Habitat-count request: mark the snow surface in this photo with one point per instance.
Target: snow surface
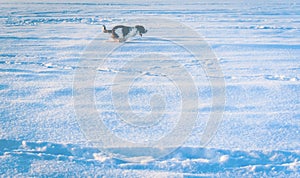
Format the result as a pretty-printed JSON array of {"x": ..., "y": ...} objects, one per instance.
[{"x": 257, "y": 46}]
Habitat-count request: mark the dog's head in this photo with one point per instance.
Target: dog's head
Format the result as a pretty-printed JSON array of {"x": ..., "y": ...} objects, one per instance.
[{"x": 141, "y": 29}]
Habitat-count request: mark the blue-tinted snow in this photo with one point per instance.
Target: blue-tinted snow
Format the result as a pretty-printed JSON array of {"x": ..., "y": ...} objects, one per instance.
[{"x": 258, "y": 48}]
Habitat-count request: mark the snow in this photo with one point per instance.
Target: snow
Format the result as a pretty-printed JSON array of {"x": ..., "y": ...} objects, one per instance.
[
  {"x": 256, "y": 46},
  {"x": 68, "y": 159}
]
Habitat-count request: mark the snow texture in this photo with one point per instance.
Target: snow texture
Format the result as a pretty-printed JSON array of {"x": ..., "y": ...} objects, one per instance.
[{"x": 256, "y": 44}]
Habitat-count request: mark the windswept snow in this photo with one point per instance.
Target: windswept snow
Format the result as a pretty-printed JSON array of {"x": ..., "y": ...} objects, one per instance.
[
  {"x": 51, "y": 159},
  {"x": 256, "y": 44}
]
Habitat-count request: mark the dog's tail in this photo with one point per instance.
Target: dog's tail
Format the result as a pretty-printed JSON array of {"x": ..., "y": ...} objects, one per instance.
[{"x": 104, "y": 29}]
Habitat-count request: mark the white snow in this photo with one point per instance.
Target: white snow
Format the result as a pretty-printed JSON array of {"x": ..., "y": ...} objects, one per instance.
[
  {"x": 257, "y": 46},
  {"x": 224, "y": 158}
]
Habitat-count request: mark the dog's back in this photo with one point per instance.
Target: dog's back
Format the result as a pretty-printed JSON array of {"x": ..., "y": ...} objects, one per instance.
[{"x": 121, "y": 30}]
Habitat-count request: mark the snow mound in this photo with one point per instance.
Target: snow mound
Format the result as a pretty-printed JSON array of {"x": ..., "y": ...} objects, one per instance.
[{"x": 46, "y": 158}]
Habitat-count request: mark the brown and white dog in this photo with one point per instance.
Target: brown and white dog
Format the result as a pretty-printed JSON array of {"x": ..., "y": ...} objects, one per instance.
[{"x": 121, "y": 33}]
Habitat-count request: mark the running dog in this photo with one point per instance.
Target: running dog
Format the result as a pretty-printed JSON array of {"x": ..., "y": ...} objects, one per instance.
[{"x": 121, "y": 33}]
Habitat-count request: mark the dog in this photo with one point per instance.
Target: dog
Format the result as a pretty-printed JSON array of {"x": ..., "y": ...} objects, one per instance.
[{"x": 121, "y": 33}]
